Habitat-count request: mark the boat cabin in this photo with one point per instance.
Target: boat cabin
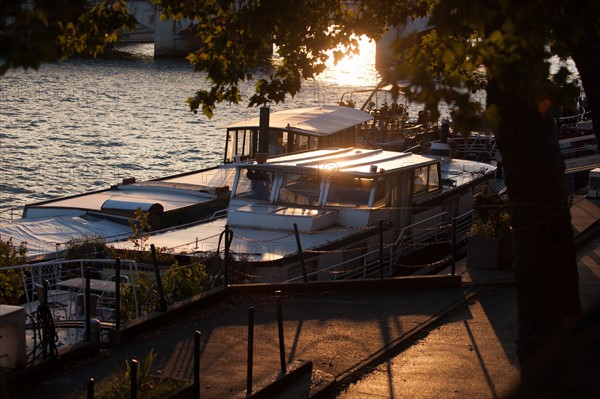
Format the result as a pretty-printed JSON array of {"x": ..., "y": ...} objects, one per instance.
[
  {"x": 293, "y": 130},
  {"x": 347, "y": 187}
]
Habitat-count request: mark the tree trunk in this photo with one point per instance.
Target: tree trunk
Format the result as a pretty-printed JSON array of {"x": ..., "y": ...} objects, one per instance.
[{"x": 543, "y": 248}]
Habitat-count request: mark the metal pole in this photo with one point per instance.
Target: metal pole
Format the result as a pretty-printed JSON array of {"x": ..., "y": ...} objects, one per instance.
[
  {"x": 133, "y": 370},
  {"x": 280, "y": 328},
  {"x": 380, "y": 249},
  {"x": 299, "y": 245},
  {"x": 453, "y": 268},
  {"x": 250, "y": 350},
  {"x": 88, "y": 306},
  {"x": 118, "y": 294},
  {"x": 44, "y": 303},
  {"x": 162, "y": 304},
  {"x": 90, "y": 388},
  {"x": 228, "y": 238},
  {"x": 196, "y": 391}
]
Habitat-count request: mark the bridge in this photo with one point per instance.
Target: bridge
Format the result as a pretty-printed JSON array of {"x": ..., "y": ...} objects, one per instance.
[{"x": 173, "y": 38}]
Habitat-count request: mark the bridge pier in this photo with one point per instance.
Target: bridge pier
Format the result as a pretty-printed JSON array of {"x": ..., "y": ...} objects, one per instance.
[{"x": 171, "y": 40}]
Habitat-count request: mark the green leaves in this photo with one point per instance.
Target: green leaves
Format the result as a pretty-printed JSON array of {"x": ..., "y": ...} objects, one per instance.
[{"x": 51, "y": 30}]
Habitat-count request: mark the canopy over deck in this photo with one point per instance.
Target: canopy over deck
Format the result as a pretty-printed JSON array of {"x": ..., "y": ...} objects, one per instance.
[{"x": 312, "y": 121}]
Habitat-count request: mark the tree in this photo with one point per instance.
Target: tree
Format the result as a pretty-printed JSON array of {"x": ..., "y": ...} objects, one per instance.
[
  {"x": 46, "y": 31},
  {"x": 499, "y": 46}
]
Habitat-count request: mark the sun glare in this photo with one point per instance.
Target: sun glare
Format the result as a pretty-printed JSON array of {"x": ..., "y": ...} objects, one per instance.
[{"x": 355, "y": 70}]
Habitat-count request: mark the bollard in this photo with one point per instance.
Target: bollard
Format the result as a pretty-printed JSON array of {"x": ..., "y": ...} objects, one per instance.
[
  {"x": 133, "y": 369},
  {"x": 196, "y": 392},
  {"x": 250, "y": 349},
  {"x": 280, "y": 328},
  {"x": 90, "y": 388}
]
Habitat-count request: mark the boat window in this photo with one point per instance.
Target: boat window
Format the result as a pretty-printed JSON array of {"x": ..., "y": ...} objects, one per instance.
[
  {"x": 420, "y": 182},
  {"x": 349, "y": 191},
  {"x": 300, "y": 189},
  {"x": 433, "y": 182},
  {"x": 254, "y": 184},
  {"x": 426, "y": 179}
]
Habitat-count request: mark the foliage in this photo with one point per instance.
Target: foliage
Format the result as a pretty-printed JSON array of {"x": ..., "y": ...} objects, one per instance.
[
  {"x": 146, "y": 293},
  {"x": 11, "y": 285},
  {"x": 184, "y": 281},
  {"x": 46, "y": 31},
  {"x": 149, "y": 385},
  {"x": 140, "y": 227},
  {"x": 88, "y": 247},
  {"x": 493, "y": 219},
  {"x": 235, "y": 36}
]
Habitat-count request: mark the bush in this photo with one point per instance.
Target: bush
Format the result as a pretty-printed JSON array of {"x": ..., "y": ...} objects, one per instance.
[
  {"x": 11, "y": 285},
  {"x": 88, "y": 247},
  {"x": 493, "y": 219},
  {"x": 149, "y": 385},
  {"x": 184, "y": 281},
  {"x": 146, "y": 294}
]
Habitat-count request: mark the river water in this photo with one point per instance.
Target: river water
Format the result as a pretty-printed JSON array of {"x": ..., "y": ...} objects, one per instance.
[{"x": 85, "y": 124}]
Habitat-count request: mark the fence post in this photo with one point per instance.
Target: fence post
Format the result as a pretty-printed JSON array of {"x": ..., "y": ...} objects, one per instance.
[
  {"x": 196, "y": 392},
  {"x": 133, "y": 369},
  {"x": 228, "y": 238},
  {"x": 118, "y": 294},
  {"x": 380, "y": 249},
  {"x": 299, "y": 245},
  {"x": 250, "y": 350},
  {"x": 88, "y": 306},
  {"x": 90, "y": 388},
  {"x": 280, "y": 329},
  {"x": 162, "y": 304},
  {"x": 453, "y": 268},
  {"x": 45, "y": 327}
]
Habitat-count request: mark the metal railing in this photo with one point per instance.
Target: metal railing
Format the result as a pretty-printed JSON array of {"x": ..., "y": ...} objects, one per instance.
[
  {"x": 52, "y": 273},
  {"x": 438, "y": 228}
]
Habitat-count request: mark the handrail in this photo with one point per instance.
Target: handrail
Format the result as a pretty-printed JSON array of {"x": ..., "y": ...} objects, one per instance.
[{"x": 408, "y": 237}]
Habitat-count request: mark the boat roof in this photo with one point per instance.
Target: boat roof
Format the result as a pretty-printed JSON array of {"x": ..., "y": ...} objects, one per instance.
[
  {"x": 171, "y": 193},
  {"x": 312, "y": 121},
  {"x": 359, "y": 162}
]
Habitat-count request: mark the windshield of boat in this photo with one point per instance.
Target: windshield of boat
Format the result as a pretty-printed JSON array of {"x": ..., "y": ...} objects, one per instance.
[
  {"x": 300, "y": 189},
  {"x": 254, "y": 184},
  {"x": 354, "y": 191}
]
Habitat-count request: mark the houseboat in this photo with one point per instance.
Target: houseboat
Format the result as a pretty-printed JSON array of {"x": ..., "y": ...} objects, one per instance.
[{"x": 324, "y": 213}]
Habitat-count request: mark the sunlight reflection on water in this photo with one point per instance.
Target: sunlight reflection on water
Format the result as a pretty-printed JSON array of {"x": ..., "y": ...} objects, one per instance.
[{"x": 85, "y": 124}]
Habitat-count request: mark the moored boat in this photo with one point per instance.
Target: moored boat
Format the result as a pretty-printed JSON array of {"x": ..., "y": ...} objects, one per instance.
[{"x": 320, "y": 214}]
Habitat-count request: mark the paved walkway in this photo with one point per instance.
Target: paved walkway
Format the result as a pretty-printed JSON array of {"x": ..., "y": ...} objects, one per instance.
[{"x": 470, "y": 354}]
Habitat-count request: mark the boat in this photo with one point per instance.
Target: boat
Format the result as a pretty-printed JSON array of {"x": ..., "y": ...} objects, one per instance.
[
  {"x": 392, "y": 127},
  {"x": 320, "y": 214},
  {"x": 188, "y": 198}
]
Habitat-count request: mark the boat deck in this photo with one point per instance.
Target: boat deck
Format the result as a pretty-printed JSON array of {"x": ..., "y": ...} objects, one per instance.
[{"x": 172, "y": 193}]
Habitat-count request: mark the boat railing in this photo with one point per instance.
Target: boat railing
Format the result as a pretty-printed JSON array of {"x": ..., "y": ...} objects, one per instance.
[
  {"x": 438, "y": 228},
  {"x": 10, "y": 214},
  {"x": 53, "y": 273}
]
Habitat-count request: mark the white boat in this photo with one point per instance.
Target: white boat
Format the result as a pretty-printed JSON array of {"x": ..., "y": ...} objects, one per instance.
[
  {"x": 181, "y": 199},
  {"x": 331, "y": 203}
]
